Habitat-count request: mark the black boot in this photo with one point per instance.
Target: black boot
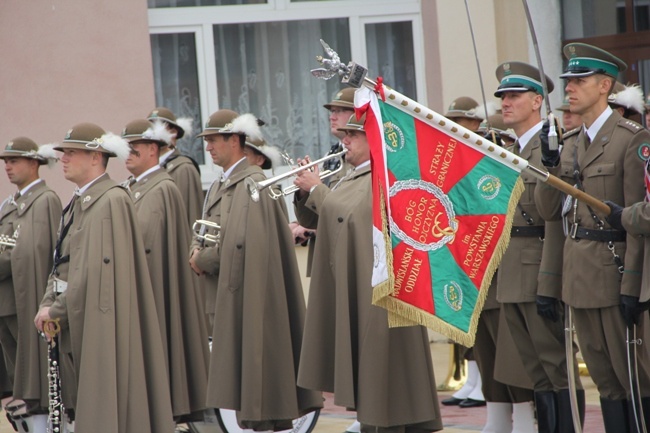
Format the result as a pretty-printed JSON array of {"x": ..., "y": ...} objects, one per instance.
[
  {"x": 546, "y": 405},
  {"x": 565, "y": 417},
  {"x": 632, "y": 416},
  {"x": 615, "y": 416}
]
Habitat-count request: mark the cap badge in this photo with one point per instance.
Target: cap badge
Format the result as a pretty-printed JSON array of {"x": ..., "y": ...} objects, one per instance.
[
  {"x": 506, "y": 68},
  {"x": 572, "y": 51},
  {"x": 338, "y": 96},
  {"x": 154, "y": 113},
  {"x": 227, "y": 126},
  {"x": 68, "y": 134},
  {"x": 10, "y": 145}
]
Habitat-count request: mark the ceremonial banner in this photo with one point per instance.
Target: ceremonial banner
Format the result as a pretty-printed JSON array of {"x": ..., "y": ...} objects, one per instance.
[{"x": 443, "y": 201}]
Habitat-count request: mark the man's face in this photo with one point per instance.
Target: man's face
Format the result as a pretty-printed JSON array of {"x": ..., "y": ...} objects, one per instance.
[
  {"x": 19, "y": 170},
  {"x": 338, "y": 119},
  {"x": 253, "y": 157},
  {"x": 518, "y": 107},
  {"x": 143, "y": 156},
  {"x": 77, "y": 163},
  {"x": 584, "y": 92},
  {"x": 570, "y": 120},
  {"x": 357, "y": 145},
  {"x": 220, "y": 149}
]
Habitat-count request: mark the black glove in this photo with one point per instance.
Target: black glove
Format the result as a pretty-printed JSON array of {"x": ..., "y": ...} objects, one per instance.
[
  {"x": 631, "y": 309},
  {"x": 550, "y": 158},
  {"x": 493, "y": 136},
  {"x": 547, "y": 307},
  {"x": 615, "y": 214}
]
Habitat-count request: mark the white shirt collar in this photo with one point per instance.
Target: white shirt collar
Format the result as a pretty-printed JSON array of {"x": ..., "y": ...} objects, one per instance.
[
  {"x": 149, "y": 171},
  {"x": 227, "y": 173},
  {"x": 162, "y": 158},
  {"x": 79, "y": 191},
  {"x": 592, "y": 131},
  {"x": 526, "y": 136},
  {"x": 363, "y": 164},
  {"x": 27, "y": 188}
]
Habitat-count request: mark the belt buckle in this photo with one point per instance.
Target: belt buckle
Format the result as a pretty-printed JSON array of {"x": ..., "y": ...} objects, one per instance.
[{"x": 573, "y": 231}]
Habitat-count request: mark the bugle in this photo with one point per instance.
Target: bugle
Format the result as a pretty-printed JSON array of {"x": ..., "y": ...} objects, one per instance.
[
  {"x": 199, "y": 228},
  {"x": 7, "y": 242},
  {"x": 254, "y": 188}
]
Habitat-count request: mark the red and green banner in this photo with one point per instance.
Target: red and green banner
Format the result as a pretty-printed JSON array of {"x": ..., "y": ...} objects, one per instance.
[{"x": 443, "y": 200}]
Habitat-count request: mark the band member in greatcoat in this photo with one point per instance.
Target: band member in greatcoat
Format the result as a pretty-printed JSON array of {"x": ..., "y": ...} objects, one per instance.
[
  {"x": 182, "y": 169},
  {"x": 602, "y": 265},
  {"x": 255, "y": 293},
  {"x": 161, "y": 216},
  {"x": 383, "y": 373},
  {"x": 313, "y": 189},
  {"x": 33, "y": 226},
  {"x": 113, "y": 371}
]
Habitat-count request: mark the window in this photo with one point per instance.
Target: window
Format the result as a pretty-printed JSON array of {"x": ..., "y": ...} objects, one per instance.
[
  {"x": 263, "y": 68},
  {"x": 176, "y": 84},
  {"x": 390, "y": 55}
]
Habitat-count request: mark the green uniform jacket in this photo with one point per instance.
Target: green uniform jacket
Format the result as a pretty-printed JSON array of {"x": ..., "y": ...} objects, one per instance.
[{"x": 612, "y": 169}]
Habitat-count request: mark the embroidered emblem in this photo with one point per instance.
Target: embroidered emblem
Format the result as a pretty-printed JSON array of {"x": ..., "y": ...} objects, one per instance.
[
  {"x": 86, "y": 199},
  {"x": 644, "y": 151}
]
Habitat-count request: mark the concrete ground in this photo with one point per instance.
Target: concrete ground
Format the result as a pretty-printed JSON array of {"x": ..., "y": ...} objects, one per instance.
[{"x": 455, "y": 420}]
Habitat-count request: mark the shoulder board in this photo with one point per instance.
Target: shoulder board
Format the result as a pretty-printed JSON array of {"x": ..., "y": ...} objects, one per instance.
[
  {"x": 572, "y": 132},
  {"x": 630, "y": 125}
]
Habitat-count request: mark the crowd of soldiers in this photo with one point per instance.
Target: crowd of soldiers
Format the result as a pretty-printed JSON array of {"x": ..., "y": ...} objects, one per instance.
[{"x": 129, "y": 283}]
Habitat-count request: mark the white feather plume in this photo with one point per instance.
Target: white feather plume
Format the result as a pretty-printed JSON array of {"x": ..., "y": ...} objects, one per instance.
[
  {"x": 158, "y": 131},
  {"x": 115, "y": 144},
  {"x": 272, "y": 153},
  {"x": 186, "y": 125},
  {"x": 247, "y": 124},
  {"x": 492, "y": 108},
  {"x": 631, "y": 97},
  {"x": 47, "y": 151}
]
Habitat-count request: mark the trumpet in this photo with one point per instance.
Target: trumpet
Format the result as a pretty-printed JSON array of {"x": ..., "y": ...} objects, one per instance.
[
  {"x": 199, "y": 228},
  {"x": 7, "y": 242},
  {"x": 254, "y": 188}
]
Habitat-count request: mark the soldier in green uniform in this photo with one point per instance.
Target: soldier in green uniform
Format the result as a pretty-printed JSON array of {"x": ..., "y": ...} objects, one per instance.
[{"x": 602, "y": 265}]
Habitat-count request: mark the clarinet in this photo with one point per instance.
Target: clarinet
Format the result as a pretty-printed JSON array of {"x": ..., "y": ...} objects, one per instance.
[{"x": 55, "y": 406}]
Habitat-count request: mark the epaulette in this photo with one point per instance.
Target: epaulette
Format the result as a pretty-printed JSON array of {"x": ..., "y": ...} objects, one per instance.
[
  {"x": 572, "y": 132},
  {"x": 630, "y": 125}
]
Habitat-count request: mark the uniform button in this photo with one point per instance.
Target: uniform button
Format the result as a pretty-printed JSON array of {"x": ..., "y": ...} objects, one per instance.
[
  {"x": 600, "y": 170},
  {"x": 209, "y": 214},
  {"x": 148, "y": 250},
  {"x": 313, "y": 206},
  {"x": 340, "y": 219},
  {"x": 107, "y": 260},
  {"x": 239, "y": 246}
]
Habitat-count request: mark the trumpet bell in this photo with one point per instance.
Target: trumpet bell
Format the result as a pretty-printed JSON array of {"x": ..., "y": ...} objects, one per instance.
[
  {"x": 253, "y": 189},
  {"x": 199, "y": 228}
]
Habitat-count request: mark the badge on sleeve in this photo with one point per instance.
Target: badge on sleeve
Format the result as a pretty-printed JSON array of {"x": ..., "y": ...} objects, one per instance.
[{"x": 644, "y": 151}]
